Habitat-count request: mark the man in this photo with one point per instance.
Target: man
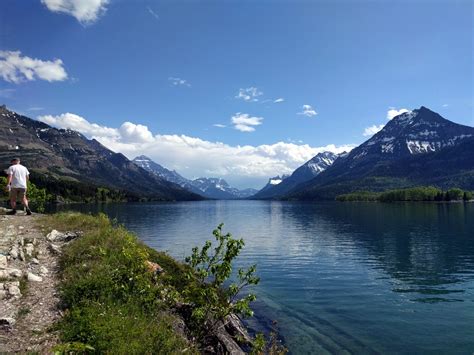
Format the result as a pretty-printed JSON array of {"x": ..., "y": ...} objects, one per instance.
[{"x": 18, "y": 176}]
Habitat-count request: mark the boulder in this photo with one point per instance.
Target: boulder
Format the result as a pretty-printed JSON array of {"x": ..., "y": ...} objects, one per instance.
[
  {"x": 43, "y": 271},
  {"x": 7, "y": 322},
  {"x": 14, "y": 291},
  {"x": 3, "y": 294},
  {"x": 34, "y": 278},
  {"x": 54, "y": 249},
  {"x": 14, "y": 252},
  {"x": 29, "y": 248},
  {"x": 54, "y": 235},
  {"x": 3, "y": 262},
  {"x": 14, "y": 272}
]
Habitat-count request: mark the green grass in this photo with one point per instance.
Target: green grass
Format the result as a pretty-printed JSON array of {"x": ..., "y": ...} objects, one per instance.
[{"x": 113, "y": 304}]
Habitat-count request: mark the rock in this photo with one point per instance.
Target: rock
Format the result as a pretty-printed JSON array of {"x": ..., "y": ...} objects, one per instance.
[
  {"x": 22, "y": 255},
  {"x": 54, "y": 235},
  {"x": 235, "y": 327},
  {"x": 7, "y": 322},
  {"x": 14, "y": 283},
  {"x": 4, "y": 274},
  {"x": 3, "y": 294},
  {"x": 35, "y": 261},
  {"x": 3, "y": 262},
  {"x": 14, "y": 291},
  {"x": 29, "y": 249},
  {"x": 55, "y": 249},
  {"x": 34, "y": 278},
  {"x": 14, "y": 252},
  {"x": 230, "y": 346},
  {"x": 154, "y": 268},
  {"x": 22, "y": 241},
  {"x": 14, "y": 272},
  {"x": 2, "y": 285},
  {"x": 43, "y": 271}
]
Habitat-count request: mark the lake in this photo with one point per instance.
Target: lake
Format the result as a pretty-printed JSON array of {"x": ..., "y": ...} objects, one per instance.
[{"x": 338, "y": 277}]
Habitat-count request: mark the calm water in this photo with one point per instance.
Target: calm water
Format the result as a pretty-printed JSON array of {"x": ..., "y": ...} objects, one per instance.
[{"x": 356, "y": 277}]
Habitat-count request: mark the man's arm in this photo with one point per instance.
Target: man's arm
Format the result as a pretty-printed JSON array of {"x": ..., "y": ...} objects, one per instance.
[{"x": 9, "y": 179}]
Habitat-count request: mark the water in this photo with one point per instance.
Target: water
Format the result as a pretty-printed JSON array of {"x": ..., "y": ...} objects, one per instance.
[{"x": 339, "y": 277}]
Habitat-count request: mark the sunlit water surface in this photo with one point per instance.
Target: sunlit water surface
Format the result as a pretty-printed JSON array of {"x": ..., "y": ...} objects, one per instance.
[{"x": 356, "y": 277}]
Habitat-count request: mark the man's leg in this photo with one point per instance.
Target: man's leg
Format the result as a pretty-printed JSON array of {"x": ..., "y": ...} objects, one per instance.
[
  {"x": 13, "y": 196},
  {"x": 24, "y": 201}
]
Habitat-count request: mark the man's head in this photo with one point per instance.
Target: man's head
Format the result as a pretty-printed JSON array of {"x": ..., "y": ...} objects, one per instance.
[{"x": 15, "y": 161}]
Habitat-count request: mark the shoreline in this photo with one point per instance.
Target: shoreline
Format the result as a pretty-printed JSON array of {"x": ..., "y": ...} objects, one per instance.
[{"x": 41, "y": 261}]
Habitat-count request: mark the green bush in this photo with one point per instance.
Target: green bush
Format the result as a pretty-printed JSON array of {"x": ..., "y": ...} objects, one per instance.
[{"x": 212, "y": 301}]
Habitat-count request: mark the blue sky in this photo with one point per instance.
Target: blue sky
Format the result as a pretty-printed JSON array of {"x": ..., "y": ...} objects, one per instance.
[{"x": 174, "y": 70}]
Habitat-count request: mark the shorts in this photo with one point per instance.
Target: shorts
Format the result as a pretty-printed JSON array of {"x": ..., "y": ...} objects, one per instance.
[{"x": 17, "y": 193}]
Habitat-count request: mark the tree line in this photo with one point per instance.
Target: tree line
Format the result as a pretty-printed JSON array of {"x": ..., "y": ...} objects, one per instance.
[{"x": 421, "y": 193}]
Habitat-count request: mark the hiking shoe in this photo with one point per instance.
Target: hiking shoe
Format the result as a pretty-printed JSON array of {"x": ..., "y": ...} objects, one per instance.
[
  {"x": 12, "y": 212},
  {"x": 28, "y": 212}
]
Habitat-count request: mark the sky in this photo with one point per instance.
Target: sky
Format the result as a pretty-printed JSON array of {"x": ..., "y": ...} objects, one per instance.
[{"x": 243, "y": 90}]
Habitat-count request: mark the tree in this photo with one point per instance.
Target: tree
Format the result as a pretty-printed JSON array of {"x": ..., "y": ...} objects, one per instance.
[{"x": 211, "y": 300}]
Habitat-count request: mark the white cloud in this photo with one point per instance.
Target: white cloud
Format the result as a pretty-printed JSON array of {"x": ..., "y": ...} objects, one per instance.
[
  {"x": 15, "y": 68},
  {"x": 153, "y": 13},
  {"x": 250, "y": 94},
  {"x": 219, "y": 125},
  {"x": 35, "y": 108},
  {"x": 242, "y": 166},
  {"x": 370, "y": 131},
  {"x": 444, "y": 105},
  {"x": 85, "y": 11},
  {"x": 179, "y": 82},
  {"x": 80, "y": 124},
  {"x": 393, "y": 112},
  {"x": 245, "y": 123},
  {"x": 307, "y": 111},
  {"x": 280, "y": 99}
]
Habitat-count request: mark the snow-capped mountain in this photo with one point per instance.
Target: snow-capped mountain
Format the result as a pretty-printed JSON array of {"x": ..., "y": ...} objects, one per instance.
[
  {"x": 417, "y": 132},
  {"x": 415, "y": 148},
  {"x": 155, "y": 168},
  {"x": 214, "y": 188},
  {"x": 305, "y": 172}
]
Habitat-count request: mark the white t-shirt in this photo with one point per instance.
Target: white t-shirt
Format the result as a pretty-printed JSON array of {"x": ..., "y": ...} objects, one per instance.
[{"x": 19, "y": 173}]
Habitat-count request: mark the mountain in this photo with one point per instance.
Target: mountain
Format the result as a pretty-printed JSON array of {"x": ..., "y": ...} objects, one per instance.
[
  {"x": 214, "y": 188},
  {"x": 272, "y": 182},
  {"x": 306, "y": 172},
  {"x": 65, "y": 160},
  {"x": 415, "y": 148},
  {"x": 169, "y": 175}
]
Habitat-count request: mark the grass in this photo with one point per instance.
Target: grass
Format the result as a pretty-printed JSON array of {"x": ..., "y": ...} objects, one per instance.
[{"x": 113, "y": 304}]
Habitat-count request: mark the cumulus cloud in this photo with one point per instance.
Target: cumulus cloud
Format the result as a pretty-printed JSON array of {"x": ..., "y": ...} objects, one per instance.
[
  {"x": 250, "y": 94},
  {"x": 80, "y": 124},
  {"x": 179, "y": 82},
  {"x": 16, "y": 68},
  {"x": 280, "y": 99},
  {"x": 85, "y": 11},
  {"x": 370, "y": 131},
  {"x": 243, "y": 122},
  {"x": 193, "y": 157},
  {"x": 393, "y": 112},
  {"x": 308, "y": 111}
]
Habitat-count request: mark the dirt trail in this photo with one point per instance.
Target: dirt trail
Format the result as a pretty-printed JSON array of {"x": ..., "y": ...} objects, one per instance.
[{"x": 28, "y": 281}]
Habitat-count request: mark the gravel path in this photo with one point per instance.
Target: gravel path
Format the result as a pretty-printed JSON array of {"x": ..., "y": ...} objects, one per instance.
[{"x": 28, "y": 285}]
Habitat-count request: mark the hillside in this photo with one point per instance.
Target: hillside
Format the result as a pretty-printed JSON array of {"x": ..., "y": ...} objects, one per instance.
[{"x": 65, "y": 162}]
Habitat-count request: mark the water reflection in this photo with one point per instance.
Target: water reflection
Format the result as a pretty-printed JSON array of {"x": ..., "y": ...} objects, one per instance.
[{"x": 357, "y": 277}]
